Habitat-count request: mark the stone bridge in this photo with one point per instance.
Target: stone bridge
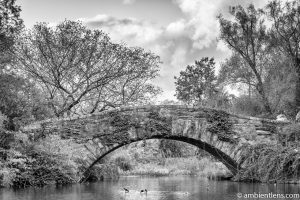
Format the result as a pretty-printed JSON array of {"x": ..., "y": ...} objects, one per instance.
[{"x": 221, "y": 134}]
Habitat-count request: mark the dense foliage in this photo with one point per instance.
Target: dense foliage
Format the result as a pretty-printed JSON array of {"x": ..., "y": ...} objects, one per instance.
[
  {"x": 263, "y": 66},
  {"x": 272, "y": 163},
  {"x": 25, "y": 163},
  {"x": 285, "y": 34},
  {"x": 81, "y": 71},
  {"x": 247, "y": 37},
  {"x": 10, "y": 26},
  {"x": 197, "y": 82}
]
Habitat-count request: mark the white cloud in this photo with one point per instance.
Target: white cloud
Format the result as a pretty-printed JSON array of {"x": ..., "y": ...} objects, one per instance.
[
  {"x": 180, "y": 42},
  {"x": 179, "y": 56},
  {"x": 128, "y": 1},
  {"x": 176, "y": 28},
  {"x": 130, "y": 30},
  {"x": 201, "y": 20}
]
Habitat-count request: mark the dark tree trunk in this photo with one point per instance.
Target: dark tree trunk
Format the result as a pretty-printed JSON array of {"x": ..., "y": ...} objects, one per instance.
[
  {"x": 297, "y": 92},
  {"x": 297, "y": 89},
  {"x": 261, "y": 91},
  {"x": 10, "y": 125},
  {"x": 265, "y": 100}
]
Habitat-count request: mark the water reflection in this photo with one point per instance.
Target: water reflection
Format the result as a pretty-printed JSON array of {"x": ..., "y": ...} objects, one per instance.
[{"x": 159, "y": 188}]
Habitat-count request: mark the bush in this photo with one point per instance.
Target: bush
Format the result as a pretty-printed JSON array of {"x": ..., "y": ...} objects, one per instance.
[
  {"x": 7, "y": 176},
  {"x": 42, "y": 168},
  {"x": 150, "y": 169},
  {"x": 6, "y": 138},
  {"x": 34, "y": 167},
  {"x": 171, "y": 148},
  {"x": 101, "y": 172},
  {"x": 290, "y": 134},
  {"x": 269, "y": 163},
  {"x": 3, "y": 121},
  {"x": 123, "y": 163},
  {"x": 246, "y": 105}
]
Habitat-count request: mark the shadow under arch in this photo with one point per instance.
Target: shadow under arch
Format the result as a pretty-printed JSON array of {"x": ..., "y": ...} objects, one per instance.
[{"x": 231, "y": 164}]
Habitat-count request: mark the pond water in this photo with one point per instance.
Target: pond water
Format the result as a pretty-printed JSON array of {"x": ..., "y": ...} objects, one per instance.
[{"x": 159, "y": 188}]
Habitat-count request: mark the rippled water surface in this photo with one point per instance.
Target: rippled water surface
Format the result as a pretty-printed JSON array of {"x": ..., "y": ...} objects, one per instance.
[{"x": 159, "y": 188}]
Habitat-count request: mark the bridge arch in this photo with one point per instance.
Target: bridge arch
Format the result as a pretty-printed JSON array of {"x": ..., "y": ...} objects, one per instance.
[
  {"x": 220, "y": 133},
  {"x": 231, "y": 164}
]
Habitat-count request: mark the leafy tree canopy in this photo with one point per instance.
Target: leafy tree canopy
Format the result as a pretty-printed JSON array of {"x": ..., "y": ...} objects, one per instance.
[
  {"x": 10, "y": 26},
  {"x": 285, "y": 33},
  {"x": 82, "y": 71},
  {"x": 197, "y": 82},
  {"x": 246, "y": 35}
]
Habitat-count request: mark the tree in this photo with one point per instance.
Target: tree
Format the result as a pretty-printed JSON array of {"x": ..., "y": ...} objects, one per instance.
[
  {"x": 278, "y": 77},
  {"x": 246, "y": 36},
  {"x": 10, "y": 26},
  {"x": 16, "y": 99},
  {"x": 81, "y": 70},
  {"x": 235, "y": 71},
  {"x": 197, "y": 82},
  {"x": 132, "y": 88},
  {"x": 280, "y": 80},
  {"x": 20, "y": 101},
  {"x": 285, "y": 33}
]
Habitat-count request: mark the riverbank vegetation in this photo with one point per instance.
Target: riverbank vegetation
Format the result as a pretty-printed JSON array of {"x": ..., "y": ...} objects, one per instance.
[
  {"x": 150, "y": 160},
  {"x": 269, "y": 163},
  {"x": 70, "y": 70},
  {"x": 278, "y": 163},
  {"x": 25, "y": 163}
]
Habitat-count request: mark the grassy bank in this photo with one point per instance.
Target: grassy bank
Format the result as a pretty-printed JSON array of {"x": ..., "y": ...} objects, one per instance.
[
  {"x": 180, "y": 166},
  {"x": 270, "y": 163},
  {"x": 147, "y": 160}
]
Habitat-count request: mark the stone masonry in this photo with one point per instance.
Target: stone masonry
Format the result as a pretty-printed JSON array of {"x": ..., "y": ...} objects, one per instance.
[{"x": 221, "y": 134}]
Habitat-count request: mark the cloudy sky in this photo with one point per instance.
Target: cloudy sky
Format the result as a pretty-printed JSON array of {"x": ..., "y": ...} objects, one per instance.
[{"x": 179, "y": 31}]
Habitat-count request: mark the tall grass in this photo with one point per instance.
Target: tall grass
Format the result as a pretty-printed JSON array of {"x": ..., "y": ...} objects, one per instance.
[
  {"x": 269, "y": 163},
  {"x": 141, "y": 159},
  {"x": 180, "y": 166}
]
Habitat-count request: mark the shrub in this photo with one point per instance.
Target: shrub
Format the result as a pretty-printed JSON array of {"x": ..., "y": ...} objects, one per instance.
[
  {"x": 269, "y": 163},
  {"x": 6, "y": 138},
  {"x": 7, "y": 176},
  {"x": 34, "y": 167},
  {"x": 150, "y": 169},
  {"x": 123, "y": 163},
  {"x": 42, "y": 168},
  {"x": 102, "y": 171},
  {"x": 3, "y": 120},
  {"x": 290, "y": 133},
  {"x": 170, "y": 148},
  {"x": 246, "y": 105}
]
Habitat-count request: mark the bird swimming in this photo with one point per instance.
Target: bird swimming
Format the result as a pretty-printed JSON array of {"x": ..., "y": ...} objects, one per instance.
[
  {"x": 126, "y": 190},
  {"x": 144, "y": 191}
]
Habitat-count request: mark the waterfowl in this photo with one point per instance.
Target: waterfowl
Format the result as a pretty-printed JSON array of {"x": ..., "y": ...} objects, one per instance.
[
  {"x": 144, "y": 191},
  {"x": 126, "y": 190}
]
